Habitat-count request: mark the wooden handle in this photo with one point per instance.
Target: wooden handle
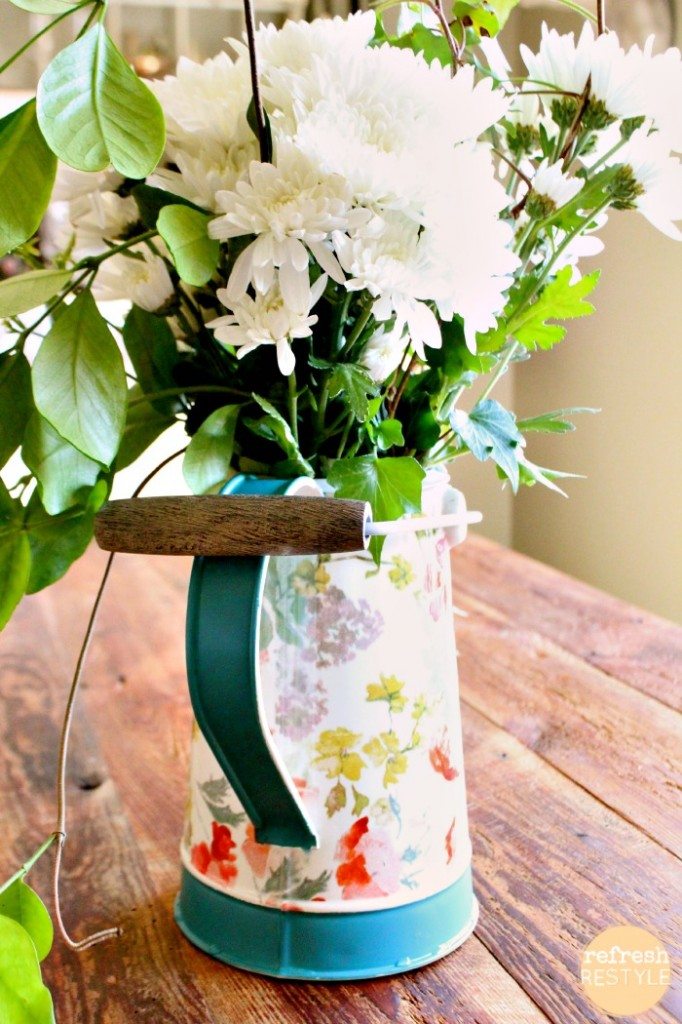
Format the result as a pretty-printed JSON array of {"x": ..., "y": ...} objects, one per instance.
[{"x": 232, "y": 525}]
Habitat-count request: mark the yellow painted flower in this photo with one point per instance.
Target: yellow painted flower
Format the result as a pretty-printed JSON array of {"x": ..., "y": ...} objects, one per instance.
[
  {"x": 335, "y": 755},
  {"x": 310, "y": 579},
  {"x": 385, "y": 749},
  {"x": 390, "y": 690},
  {"x": 402, "y": 573}
]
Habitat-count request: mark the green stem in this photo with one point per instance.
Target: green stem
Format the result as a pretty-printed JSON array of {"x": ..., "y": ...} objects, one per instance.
[
  {"x": 358, "y": 328},
  {"x": 57, "y": 301},
  {"x": 502, "y": 366},
  {"x": 293, "y": 405},
  {"x": 27, "y": 865},
  {"x": 91, "y": 262},
  {"x": 46, "y": 28},
  {"x": 322, "y": 405},
  {"x": 344, "y": 437}
]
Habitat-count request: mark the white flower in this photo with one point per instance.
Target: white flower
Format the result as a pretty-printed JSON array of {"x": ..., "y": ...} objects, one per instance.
[
  {"x": 70, "y": 183},
  {"x": 495, "y": 58},
  {"x": 566, "y": 64},
  {"x": 375, "y": 118},
  {"x": 142, "y": 278},
  {"x": 525, "y": 109},
  {"x": 100, "y": 217},
  {"x": 383, "y": 354},
  {"x": 291, "y": 209},
  {"x": 392, "y": 259},
  {"x": 551, "y": 183},
  {"x": 657, "y": 177},
  {"x": 659, "y": 81},
  {"x": 202, "y": 174},
  {"x": 266, "y": 319}
]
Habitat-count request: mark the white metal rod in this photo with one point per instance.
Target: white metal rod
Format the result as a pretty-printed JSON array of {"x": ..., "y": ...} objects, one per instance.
[{"x": 423, "y": 523}]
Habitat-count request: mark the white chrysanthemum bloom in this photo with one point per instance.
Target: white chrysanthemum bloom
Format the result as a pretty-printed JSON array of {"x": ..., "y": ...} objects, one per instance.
[
  {"x": 495, "y": 58},
  {"x": 71, "y": 184},
  {"x": 654, "y": 178},
  {"x": 659, "y": 80},
  {"x": 201, "y": 175},
  {"x": 100, "y": 217},
  {"x": 292, "y": 209},
  {"x": 266, "y": 319},
  {"x": 392, "y": 259},
  {"x": 383, "y": 354},
  {"x": 525, "y": 109},
  {"x": 567, "y": 64},
  {"x": 552, "y": 184},
  {"x": 373, "y": 118},
  {"x": 142, "y": 278}
]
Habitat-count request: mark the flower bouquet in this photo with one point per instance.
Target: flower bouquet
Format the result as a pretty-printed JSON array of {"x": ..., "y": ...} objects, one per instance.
[{"x": 333, "y": 241}]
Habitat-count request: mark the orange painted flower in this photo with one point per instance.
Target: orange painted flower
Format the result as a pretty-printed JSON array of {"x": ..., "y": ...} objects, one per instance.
[
  {"x": 439, "y": 756},
  {"x": 369, "y": 865},
  {"x": 201, "y": 857},
  {"x": 256, "y": 853},
  {"x": 449, "y": 842},
  {"x": 217, "y": 860}
]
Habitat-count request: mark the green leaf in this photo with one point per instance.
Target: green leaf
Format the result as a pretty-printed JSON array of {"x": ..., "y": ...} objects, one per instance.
[
  {"x": 273, "y": 427},
  {"x": 389, "y": 433},
  {"x": 490, "y": 432},
  {"x": 151, "y": 201},
  {"x": 16, "y": 402},
  {"x": 552, "y": 422},
  {"x": 60, "y": 469},
  {"x": 94, "y": 111},
  {"x": 15, "y": 568},
  {"x": 57, "y": 541},
  {"x": 310, "y": 887},
  {"x": 502, "y": 9},
  {"x": 360, "y": 801},
  {"x": 27, "y": 173},
  {"x": 144, "y": 423},
  {"x": 19, "y": 902},
  {"x": 225, "y": 815},
  {"x": 79, "y": 383},
  {"x": 185, "y": 232},
  {"x": 392, "y": 486},
  {"x": 531, "y": 474},
  {"x": 208, "y": 459},
  {"x": 26, "y": 291},
  {"x": 282, "y": 877},
  {"x": 432, "y": 44},
  {"x": 356, "y": 385},
  {"x": 23, "y": 997},
  {"x": 153, "y": 352},
  {"x": 560, "y": 300}
]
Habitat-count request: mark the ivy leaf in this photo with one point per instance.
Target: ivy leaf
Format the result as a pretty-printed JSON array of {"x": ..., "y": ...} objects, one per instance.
[
  {"x": 560, "y": 300},
  {"x": 94, "y": 111},
  {"x": 144, "y": 423},
  {"x": 15, "y": 555},
  {"x": 79, "y": 383},
  {"x": 208, "y": 459},
  {"x": 57, "y": 541},
  {"x": 27, "y": 173},
  {"x": 356, "y": 384},
  {"x": 151, "y": 201},
  {"x": 273, "y": 427},
  {"x": 431, "y": 44},
  {"x": 20, "y": 903},
  {"x": 388, "y": 433},
  {"x": 60, "y": 469},
  {"x": 153, "y": 352},
  {"x": 16, "y": 402},
  {"x": 531, "y": 474},
  {"x": 552, "y": 422},
  {"x": 26, "y": 291},
  {"x": 185, "y": 232},
  {"x": 490, "y": 432},
  {"x": 392, "y": 486},
  {"x": 23, "y": 997}
]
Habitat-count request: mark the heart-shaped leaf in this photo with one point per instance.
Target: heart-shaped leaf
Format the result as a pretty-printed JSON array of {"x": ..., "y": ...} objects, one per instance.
[
  {"x": 79, "y": 382},
  {"x": 23, "y": 997},
  {"x": 26, "y": 291},
  {"x": 185, "y": 232},
  {"x": 24, "y": 906},
  {"x": 94, "y": 111},
  {"x": 57, "y": 541},
  {"x": 27, "y": 173}
]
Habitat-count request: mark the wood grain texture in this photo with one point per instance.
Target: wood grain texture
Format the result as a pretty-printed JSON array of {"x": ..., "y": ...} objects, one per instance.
[
  {"x": 232, "y": 525},
  {"x": 556, "y": 861}
]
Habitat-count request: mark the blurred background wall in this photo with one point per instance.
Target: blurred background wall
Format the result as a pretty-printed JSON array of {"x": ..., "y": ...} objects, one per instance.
[{"x": 621, "y": 530}]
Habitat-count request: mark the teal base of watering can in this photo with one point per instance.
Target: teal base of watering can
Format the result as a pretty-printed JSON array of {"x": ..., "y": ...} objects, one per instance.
[{"x": 322, "y": 946}]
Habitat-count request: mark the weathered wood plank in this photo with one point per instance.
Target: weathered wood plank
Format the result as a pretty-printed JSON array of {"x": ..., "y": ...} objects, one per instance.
[
  {"x": 121, "y": 859},
  {"x": 554, "y": 868},
  {"x": 618, "y": 743},
  {"x": 633, "y": 645}
]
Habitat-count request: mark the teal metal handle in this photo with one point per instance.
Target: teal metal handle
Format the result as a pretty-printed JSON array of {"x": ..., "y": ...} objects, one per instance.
[{"x": 223, "y": 624}]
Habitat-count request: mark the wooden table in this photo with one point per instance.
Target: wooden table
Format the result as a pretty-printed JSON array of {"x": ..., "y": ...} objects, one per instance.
[{"x": 570, "y": 702}]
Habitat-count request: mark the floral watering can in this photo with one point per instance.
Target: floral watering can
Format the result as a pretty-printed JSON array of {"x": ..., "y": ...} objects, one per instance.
[{"x": 326, "y": 828}]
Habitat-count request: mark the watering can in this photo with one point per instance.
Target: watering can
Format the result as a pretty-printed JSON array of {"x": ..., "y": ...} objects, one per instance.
[{"x": 326, "y": 832}]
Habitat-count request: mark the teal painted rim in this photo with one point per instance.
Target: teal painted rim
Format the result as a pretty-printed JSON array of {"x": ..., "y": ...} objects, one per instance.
[{"x": 321, "y": 946}]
